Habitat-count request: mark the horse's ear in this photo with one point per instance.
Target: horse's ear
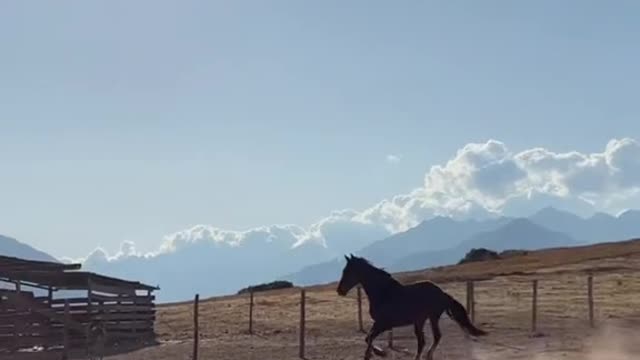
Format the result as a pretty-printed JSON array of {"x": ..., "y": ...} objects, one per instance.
[
  {"x": 352, "y": 257},
  {"x": 347, "y": 258}
]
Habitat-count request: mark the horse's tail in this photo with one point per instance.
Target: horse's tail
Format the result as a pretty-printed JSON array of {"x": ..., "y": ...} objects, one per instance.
[{"x": 456, "y": 311}]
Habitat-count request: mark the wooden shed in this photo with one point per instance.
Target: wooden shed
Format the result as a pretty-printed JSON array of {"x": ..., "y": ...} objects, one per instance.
[{"x": 47, "y": 306}]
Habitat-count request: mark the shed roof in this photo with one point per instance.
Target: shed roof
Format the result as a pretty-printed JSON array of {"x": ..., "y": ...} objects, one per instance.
[
  {"x": 9, "y": 263},
  {"x": 61, "y": 276}
]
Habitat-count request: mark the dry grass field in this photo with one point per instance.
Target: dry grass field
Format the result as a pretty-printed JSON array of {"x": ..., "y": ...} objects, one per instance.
[{"x": 503, "y": 295}]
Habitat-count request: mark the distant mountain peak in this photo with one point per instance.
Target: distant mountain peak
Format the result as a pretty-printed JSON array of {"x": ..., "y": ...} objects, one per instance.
[
  {"x": 548, "y": 211},
  {"x": 519, "y": 222},
  {"x": 14, "y": 248},
  {"x": 629, "y": 213},
  {"x": 439, "y": 219},
  {"x": 523, "y": 226},
  {"x": 602, "y": 216}
]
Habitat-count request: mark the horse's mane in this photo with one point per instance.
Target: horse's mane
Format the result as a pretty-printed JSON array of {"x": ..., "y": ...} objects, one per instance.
[{"x": 378, "y": 270}]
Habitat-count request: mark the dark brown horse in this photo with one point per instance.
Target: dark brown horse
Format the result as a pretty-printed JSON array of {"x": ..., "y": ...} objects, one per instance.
[{"x": 392, "y": 304}]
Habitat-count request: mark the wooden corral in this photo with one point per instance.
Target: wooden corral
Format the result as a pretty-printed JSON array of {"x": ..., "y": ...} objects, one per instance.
[{"x": 46, "y": 306}]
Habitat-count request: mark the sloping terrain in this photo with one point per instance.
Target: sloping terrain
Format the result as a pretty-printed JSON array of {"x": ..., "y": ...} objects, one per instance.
[
  {"x": 12, "y": 247},
  {"x": 503, "y": 307},
  {"x": 518, "y": 234}
]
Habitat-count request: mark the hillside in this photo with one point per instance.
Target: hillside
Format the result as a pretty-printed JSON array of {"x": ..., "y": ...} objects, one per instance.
[
  {"x": 12, "y": 247},
  {"x": 518, "y": 234},
  {"x": 439, "y": 233}
]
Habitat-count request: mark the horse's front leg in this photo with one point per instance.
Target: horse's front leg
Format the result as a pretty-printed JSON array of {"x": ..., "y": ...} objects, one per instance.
[{"x": 376, "y": 330}]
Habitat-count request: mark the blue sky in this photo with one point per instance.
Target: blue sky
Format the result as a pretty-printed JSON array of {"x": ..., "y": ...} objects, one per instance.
[{"x": 130, "y": 120}]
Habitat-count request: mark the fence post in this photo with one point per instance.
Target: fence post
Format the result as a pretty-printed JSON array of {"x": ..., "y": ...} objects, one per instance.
[
  {"x": 590, "y": 294},
  {"x": 16, "y": 324},
  {"x": 65, "y": 333},
  {"x": 91, "y": 319},
  {"x": 302, "y": 322},
  {"x": 534, "y": 307},
  {"x": 360, "y": 325},
  {"x": 251, "y": 312},
  {"x": 196, "y": 335},
  {"x": 471, "y": 302},
  {"x": 390, "y": 339}
]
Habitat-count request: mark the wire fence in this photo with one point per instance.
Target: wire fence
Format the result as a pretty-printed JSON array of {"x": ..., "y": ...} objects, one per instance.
[{"x": 314, "y": 323}]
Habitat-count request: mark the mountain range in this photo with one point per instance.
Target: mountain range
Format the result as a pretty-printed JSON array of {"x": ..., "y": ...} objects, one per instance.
[
  {"x": 440, "y": 241},
  {"x": 214, "y": 268}
]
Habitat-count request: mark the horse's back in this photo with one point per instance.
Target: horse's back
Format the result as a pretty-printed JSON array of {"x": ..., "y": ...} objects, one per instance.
[{"x": 424, "y": 288}]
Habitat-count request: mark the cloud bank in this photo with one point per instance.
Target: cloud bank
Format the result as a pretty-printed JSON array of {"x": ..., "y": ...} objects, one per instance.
[{"x": 480, "y": 180}]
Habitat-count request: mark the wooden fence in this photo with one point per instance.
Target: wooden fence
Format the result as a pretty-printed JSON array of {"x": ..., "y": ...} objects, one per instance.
[
  {"x": 29, "y": 321},
  {"x": 471, "y": 305}
]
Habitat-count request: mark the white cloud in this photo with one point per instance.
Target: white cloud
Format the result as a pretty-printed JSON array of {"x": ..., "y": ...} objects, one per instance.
[
  {"x": 393, "y": 158},
  {"x": 482, "y": 179}
]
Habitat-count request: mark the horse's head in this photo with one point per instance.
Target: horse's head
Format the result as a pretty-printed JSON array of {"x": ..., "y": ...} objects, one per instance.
[{"x": 350, "y": 275}]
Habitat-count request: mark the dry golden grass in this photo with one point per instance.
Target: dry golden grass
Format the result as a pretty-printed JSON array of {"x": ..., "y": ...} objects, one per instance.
[{"x": 503, "y": 305}]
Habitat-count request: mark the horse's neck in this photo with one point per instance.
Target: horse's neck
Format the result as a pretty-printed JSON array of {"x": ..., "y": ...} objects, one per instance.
[{"x": 378, "y": 285}]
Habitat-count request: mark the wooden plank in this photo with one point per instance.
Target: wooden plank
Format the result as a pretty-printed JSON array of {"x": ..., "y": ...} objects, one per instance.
[
  {"x": 32, "y": 329},
  {"x": 115, "y": 290},
  {"x": 96, "y": 298},
  {"x": 65, "y": 353},
  {"x": 122, "y": 317},
  {"x": 130, "y": 325},
  {"x": 121, "y": 334},
  {"x": 86, "y": 318},
  {"x": 72, "y": 301},
  {"x": 22, "y": 315},
  {"x": 16, "y": 327},
  {"x": 88, "y": 329},
  {"x": 137, "y": 298},
  {"x": 56, "y": 338},
  {"x": 79, "y": 308},
  {"x": 49, "y": 301}
]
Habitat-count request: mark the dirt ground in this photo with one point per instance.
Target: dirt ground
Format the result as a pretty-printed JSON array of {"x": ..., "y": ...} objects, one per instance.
[
  {"x": 611, "y": 342},
  {"x": 503, "y": 307}
]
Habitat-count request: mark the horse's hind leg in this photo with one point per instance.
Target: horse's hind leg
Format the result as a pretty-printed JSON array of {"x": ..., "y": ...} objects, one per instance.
[
  {"x": 437, "y": 335},
  {"x": 418, "y": 329}
]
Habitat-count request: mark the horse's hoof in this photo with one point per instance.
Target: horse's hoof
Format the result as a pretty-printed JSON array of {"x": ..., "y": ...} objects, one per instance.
[{"x": 379, "y": 352}]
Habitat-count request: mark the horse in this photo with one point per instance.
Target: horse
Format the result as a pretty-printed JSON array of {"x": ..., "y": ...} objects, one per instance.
[{"x": 392, "y": 304}]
